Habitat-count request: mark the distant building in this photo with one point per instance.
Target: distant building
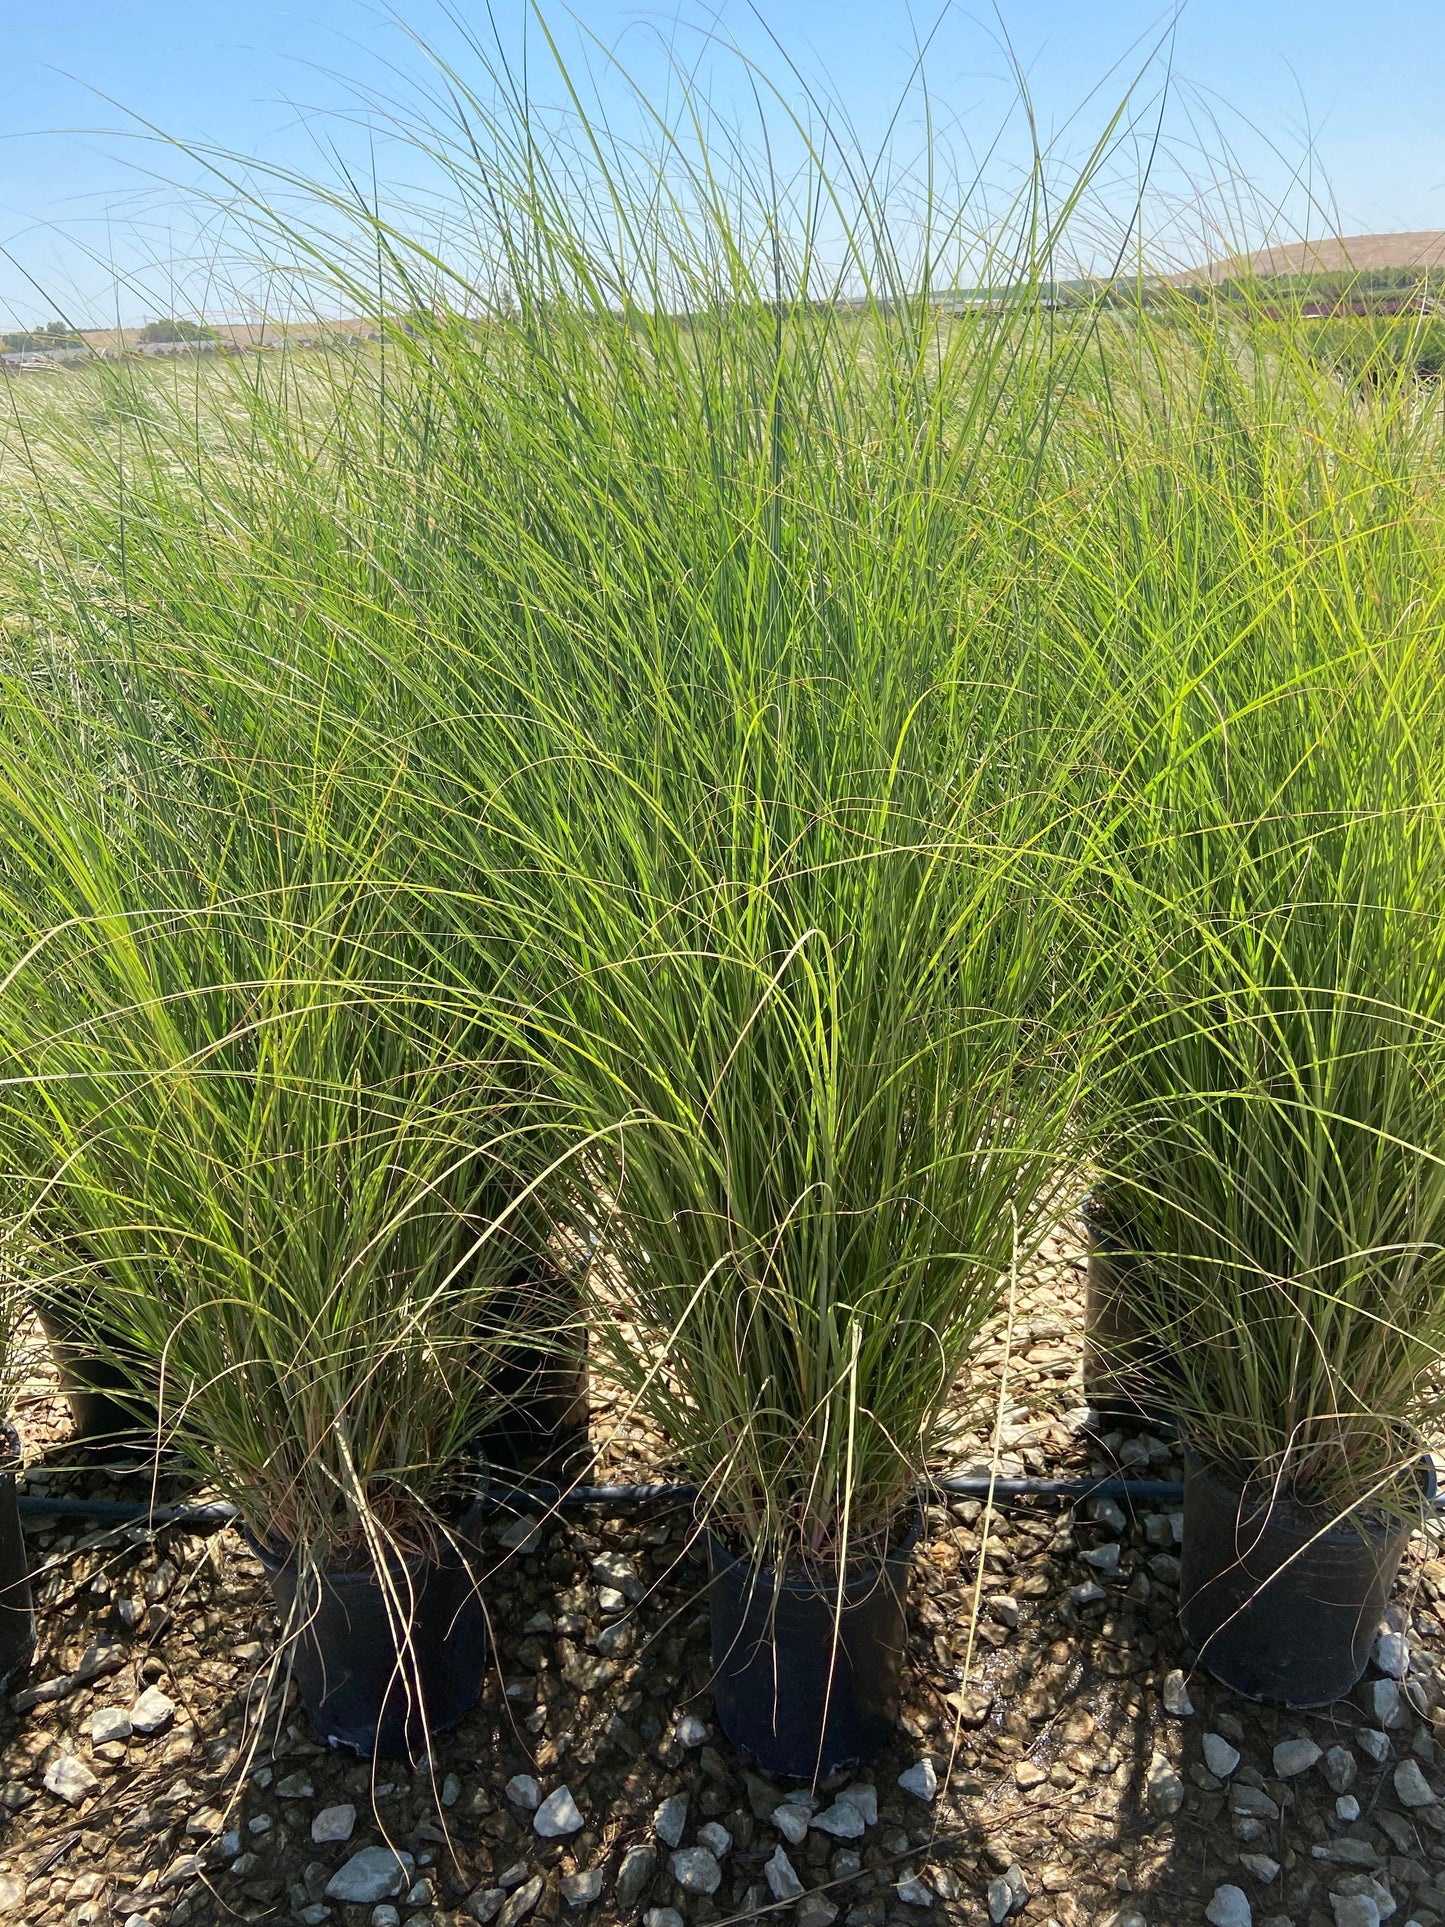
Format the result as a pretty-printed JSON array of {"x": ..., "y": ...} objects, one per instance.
[{"x": 177, "y": 347}]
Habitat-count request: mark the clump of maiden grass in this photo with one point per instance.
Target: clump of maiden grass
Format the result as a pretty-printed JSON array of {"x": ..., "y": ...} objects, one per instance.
[
  {"x": 1258, "y": 595},
  {"x": 245, "y": 1130},
  {"x": 767, "y": 772},
  {"x": 1281, "y": 1170},
  {"x": 782, "y": 814}
]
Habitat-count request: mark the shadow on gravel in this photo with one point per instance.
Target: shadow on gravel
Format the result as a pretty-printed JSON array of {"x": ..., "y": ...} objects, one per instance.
[
  {"x": 1071, "y": 1776},
  {"x": 1170, "y": 1787}
]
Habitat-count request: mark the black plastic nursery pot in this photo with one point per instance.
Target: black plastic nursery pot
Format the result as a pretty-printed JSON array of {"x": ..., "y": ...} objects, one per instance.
[
  {"x": 544, "y": 1389},
  {"x": 1122, "y": 1364},
  {"x": 543, "y": 1430},
  {"x": 1281, "y": 1601},
  {"x": 107, "y": 1405},
  {"x": 379, "y": 1674},
  {"x": 803, "y": 1682},
  {"x": 17, "y": 1612}
]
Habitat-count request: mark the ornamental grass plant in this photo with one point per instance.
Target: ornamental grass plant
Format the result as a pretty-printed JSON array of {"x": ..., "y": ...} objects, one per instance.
[
  {"x": 1280, "y": 1155},
  {"x": 248, "y": 1132},
  {"x": 772, "y": 781},
  {"x": 1263, "y": 620}
]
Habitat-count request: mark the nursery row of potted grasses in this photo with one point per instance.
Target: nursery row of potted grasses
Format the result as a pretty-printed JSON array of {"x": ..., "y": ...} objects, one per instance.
[
  {"x": 1277, "y": 1600},
  {"x": 702, "y": 751}
]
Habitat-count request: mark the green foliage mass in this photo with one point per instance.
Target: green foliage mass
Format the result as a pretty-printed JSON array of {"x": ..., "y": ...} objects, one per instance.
[
  {"x": 703, "y": 742},
  {"x": 178, "y": 331}
]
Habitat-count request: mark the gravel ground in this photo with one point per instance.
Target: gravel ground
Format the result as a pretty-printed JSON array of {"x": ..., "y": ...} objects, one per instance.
[{"x": 1057, "y": 1763}]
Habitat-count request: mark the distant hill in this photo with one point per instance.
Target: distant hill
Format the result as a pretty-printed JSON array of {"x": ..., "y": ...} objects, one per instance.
[{"x": 1346, "y": 254}]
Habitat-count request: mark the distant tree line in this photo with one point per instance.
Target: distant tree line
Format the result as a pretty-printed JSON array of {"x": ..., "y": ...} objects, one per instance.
[
  {"x": 177, "y": 331},
  {"x": 1347, "y": 291},
  {"x": 30, "y": 341},
  {"x": 59, "y": 334}
]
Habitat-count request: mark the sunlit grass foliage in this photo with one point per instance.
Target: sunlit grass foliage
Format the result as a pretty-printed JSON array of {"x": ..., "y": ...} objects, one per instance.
[{"x": 860, "y": 761}]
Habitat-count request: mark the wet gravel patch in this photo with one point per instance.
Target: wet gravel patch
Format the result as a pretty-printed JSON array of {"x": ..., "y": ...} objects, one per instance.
[{"x": 1057, "y": 1761}]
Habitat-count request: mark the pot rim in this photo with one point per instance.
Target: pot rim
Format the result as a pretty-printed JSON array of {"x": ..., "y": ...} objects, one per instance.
[
  {"x": 275, "y": 1559},
  {"x": 1288, "y": 1515},
  {"x": 721, "y": 1558}
]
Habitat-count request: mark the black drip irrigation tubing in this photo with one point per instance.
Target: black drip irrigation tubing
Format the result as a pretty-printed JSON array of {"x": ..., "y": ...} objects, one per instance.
[
  {"x": 518, "y": 1499},
  {"x": 127, "y": 1512},
  {"x": 619, "y": 1498}
]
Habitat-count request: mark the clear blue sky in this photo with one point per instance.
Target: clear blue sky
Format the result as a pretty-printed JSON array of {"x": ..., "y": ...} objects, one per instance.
[{"x": 1360, "y": 82}]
